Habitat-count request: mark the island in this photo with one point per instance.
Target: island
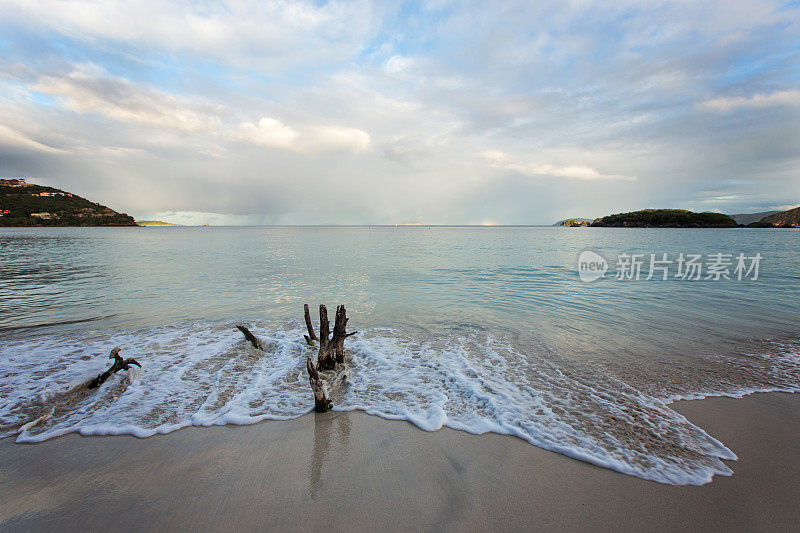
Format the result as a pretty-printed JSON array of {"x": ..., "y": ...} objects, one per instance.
[
  {"x": 666, "y": 218},
  {"x": 781, "y": 219},
  {"x": 28, "y": 204},
  {"x": 151, "y": 223},
  {"x": 682, "y": 218},
  {"x": 574, "y": 222}
]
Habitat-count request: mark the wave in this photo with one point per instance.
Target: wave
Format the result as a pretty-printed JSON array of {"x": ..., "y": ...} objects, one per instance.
[{"x": 464, "y": 377}]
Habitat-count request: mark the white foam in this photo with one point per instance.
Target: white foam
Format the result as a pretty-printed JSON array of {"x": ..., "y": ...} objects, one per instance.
[{"x": 205, "y": 374}]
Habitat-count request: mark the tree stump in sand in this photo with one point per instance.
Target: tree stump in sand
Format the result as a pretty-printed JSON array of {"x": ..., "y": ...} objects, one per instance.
[
  {"x": 331, "y": 349},
  {"x": 331, "y": 353},
  {"x": 252, "y": 339},
  {"x": 320, "y": 388},
  {"x": 119, "y": 364}
]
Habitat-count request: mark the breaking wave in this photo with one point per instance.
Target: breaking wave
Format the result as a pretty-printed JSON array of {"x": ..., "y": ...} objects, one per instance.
[{"x": 464, "y": 377}]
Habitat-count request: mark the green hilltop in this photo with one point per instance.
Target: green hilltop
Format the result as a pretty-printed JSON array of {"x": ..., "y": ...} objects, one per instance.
[
  {"x": 666, "y": 218},
  {"x": 28, "y": 204}
]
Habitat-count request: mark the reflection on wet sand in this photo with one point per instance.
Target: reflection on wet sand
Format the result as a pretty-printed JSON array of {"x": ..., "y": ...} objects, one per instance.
[{"x": 329, "y": 429}]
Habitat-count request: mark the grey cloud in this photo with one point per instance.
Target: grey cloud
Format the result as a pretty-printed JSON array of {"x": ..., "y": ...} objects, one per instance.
[{"x": 346, "y": 113}]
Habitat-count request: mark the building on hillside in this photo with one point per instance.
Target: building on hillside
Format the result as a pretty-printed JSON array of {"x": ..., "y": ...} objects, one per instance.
[
  {"x": 42, "y": 215},
  {"x": 53, "y": 194}
]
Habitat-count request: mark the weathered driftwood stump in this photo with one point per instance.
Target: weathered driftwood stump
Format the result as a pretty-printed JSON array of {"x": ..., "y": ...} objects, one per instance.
[
  {"x": 119, "y": 364},
  {"x": 320, "y": 388},
  {"x": 252, "y": 339},
  {"x": 331, "y": 349},
  {"x": 330, "y": 356}
]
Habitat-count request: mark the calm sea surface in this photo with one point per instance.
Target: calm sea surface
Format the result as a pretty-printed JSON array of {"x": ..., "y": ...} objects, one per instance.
[{"x": 480, "y": 329}]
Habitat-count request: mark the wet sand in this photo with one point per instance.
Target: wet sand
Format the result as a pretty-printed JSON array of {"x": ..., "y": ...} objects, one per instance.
[{"x": 351, "y": 471}]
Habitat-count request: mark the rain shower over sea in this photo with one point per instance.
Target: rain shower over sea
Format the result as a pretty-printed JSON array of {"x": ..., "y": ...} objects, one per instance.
[{"x": 481, "y": 329}]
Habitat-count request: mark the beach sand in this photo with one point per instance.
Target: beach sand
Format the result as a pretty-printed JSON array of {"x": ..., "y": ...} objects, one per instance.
[{"x": 352, "y": 471}]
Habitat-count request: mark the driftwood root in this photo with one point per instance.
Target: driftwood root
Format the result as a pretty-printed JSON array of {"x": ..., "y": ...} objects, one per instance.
[
  {"x": 311, "y": 335},
  {"x": 330, "y": 357},
  {"x": 331, "y": 349},
  {"x": 119, "y": 364},
  {"x": 252, "y": 339},
  {"x": 318, "y": 386}
]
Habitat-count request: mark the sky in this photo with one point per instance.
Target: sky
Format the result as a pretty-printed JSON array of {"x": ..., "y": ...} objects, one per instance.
[{"x": 358, "y": 112}]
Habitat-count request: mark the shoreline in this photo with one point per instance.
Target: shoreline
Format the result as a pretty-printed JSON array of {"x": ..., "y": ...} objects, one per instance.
[{"x": 354, "y": 471}]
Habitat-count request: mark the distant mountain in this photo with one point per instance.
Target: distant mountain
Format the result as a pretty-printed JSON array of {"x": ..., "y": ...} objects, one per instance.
[
  {"x": 574, "y": 222},
  {"x": 782, "y": 218},
  {"x": 666, "y": 218},
  {"x": 747, "y": 218},
  {"x": 28, "y": 204}
]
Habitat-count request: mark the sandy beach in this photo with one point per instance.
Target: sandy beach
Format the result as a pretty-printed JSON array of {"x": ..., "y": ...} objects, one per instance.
[{"x": 352, "y": 471}]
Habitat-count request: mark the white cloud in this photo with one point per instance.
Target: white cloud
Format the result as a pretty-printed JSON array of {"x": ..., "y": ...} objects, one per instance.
[
  {"x": 499, "y": 159},
  {"x": 398, "y": 64},
  {"x": 310, "y": 140},
  {"x": 757, "y": 101},
  {"x": 268, "y": 132}
]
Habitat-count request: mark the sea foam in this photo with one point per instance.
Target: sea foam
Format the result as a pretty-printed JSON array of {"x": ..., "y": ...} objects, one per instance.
[{"x": 466, "y": 378}]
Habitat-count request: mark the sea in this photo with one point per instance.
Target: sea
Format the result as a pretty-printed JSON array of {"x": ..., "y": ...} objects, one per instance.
[{"x": 577, "y": 340}]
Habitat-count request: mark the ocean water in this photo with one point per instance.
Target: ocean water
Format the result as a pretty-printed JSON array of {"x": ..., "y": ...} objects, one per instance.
[{"x": 485, "y": 329}]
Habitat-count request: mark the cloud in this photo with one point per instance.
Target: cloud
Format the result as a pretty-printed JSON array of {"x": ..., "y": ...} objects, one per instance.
[
  {"x": 198, "y": 218},
  {"x": 370, "y": 112},
  {"x": 268, "y": 132},
  {"x": 269, "y": 34},
  {"x": 336, "y": 139},
  {"x": 495, "y": 156},
  {"x": 311, "y": 140},
  {"x": 123, "y": 101},
  {"x": 579, "y": 172},
  {"x": 757, "y": 101},
  {"x": 16, "y": 139},
  {"x": 90, "y": 90}
]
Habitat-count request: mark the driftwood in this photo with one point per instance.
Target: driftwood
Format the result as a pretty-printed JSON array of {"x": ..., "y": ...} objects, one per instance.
[
  {"x": 331, "y": 349},
  {"x": 68, "y": 399},
  {"x": 252, "y": 339},
  {"x": 119, "y": 364},
  {"x": 311, "y": 335},
  {"x": 321, "y": 401},
  {"x": 330, "y": 356}
]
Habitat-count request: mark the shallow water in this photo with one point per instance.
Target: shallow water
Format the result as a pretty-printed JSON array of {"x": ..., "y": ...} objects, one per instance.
[{"x": 479, "y": 329}]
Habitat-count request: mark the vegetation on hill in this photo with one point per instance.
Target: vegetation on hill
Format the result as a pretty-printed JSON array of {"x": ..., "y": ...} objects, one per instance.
[
  {"x": 37, "y": 205},
  {"x": 785, "y": 219},
  {"x": 666, "y": 218}
]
